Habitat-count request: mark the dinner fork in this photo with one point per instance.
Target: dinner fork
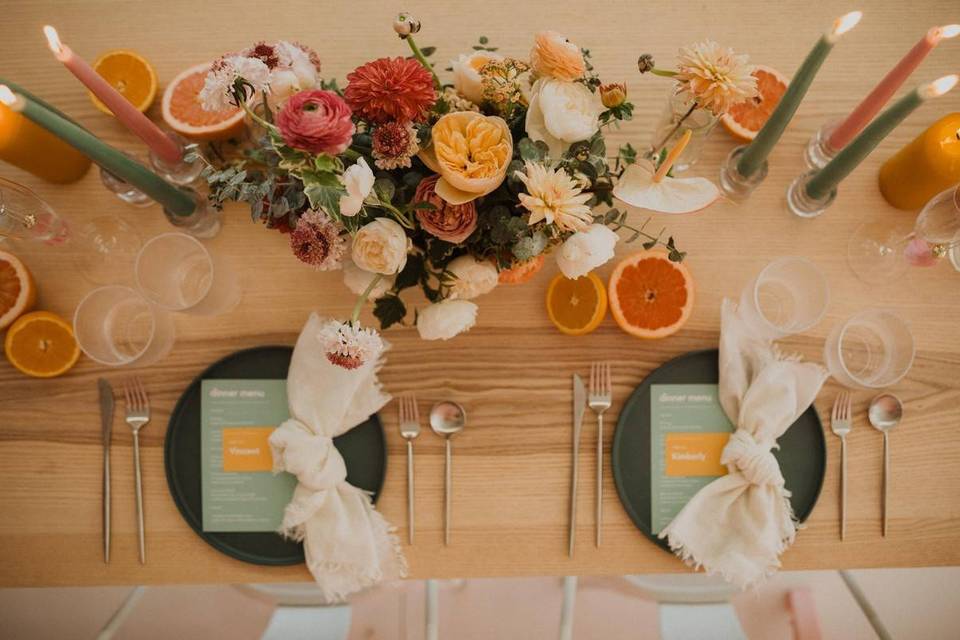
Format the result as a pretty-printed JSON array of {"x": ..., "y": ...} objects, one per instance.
[
  {"x": 409, "y": 429},
  {"x": 599, "y": 401},
  {"x": 840, "y": 425},
  {"x": 138, "y": 415}
]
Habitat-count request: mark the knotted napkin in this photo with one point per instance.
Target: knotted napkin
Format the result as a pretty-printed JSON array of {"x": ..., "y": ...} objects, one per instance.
[
  {"x": 348, "y": 544},
  {"x": 738, "y": 525}
]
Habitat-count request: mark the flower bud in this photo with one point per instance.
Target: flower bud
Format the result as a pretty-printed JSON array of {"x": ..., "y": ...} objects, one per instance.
[
  {"x": 405, "y": 24},
  {"x": 645, "y": 63},
  {"x": 613, "y": 95}
]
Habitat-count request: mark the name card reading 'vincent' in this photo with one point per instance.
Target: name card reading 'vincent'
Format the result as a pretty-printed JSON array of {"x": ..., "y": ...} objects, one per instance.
[
  {"x": 240, "y": 491},
  {"x": 688, "y": 431}
]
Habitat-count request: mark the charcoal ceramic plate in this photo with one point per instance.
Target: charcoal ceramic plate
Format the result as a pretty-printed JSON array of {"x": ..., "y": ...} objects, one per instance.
[
  {"x": 363, "y": 448},
  {"x": 802, "y": 454}
]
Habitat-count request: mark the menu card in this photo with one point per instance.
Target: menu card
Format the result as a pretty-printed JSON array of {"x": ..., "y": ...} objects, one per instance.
[
  {"x": 688, "y": 431},
  {"x": 239, "y": 490}
]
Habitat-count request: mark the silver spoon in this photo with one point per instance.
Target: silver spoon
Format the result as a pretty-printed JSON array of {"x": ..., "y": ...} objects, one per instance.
[
  {"x": 446, "y": 419},
  {"x": 885, "y": 413}
]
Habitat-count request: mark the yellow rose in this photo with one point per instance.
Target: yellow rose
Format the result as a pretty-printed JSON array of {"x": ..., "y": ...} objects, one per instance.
[
  {"x": 471, "y": 153},
  {"x": 555, "y": 56}
]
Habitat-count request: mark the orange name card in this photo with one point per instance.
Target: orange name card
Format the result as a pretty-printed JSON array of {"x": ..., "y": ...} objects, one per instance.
[
  {"x": 247, "y": 449},
  {"x": 695, "y": 454}
]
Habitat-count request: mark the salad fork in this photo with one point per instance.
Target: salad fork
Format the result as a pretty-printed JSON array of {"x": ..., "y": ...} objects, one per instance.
[
  {"x": 409, "y": 429},
  {"x": 138, "y": 415},
  {"x": 599, "y": 400},
  {"x": 840, "y": 425}
]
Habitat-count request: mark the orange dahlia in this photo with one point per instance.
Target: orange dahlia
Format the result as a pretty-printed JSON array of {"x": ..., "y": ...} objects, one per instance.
[{"x": 388, "y": 89}]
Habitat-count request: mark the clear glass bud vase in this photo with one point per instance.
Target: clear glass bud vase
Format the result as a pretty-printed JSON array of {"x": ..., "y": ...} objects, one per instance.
[{"x": 681, "y": 114}]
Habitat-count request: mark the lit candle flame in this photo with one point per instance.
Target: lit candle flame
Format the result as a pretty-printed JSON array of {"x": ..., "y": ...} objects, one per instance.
[
  {"x": 845, "y": 22},
  {"x": 53, "y": 39},
  {"x": 940, "y": 86},
  {"x": 7, "y": 97},
  {"x": 949, "y": 31}
]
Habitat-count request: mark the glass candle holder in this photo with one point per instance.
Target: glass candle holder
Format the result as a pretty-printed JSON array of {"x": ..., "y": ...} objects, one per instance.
[
  {"x": 123, "y": 189},
  {"x": 801, "y": 203},
  {"x": 204, "y": 222},
  {"x": 734, "y": 184},
  {"x": 681, "y": 114},
  {"x": 181, "y": 173},
  {"x": 818, "y": 151}
]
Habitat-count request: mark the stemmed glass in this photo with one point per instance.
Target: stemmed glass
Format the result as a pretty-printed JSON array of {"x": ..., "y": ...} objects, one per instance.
[
  {"x": 25, "y": 216},
  {"x": 878, "y": 252}
]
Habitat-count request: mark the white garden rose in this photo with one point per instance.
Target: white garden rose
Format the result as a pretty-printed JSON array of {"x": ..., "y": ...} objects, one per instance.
[
  {"x": 561, "y": 113},
  {"x": 446, "y": 319},
  {"x": 298, "y": 61},
  {"x": 357, "y": 280},
  {"x": 586, "y": 250},
  {"x": 466, "y": 73},
  {"x": 472, "y": 277},
  {"x": 381, "y": 246},
  {"x": 358, "y": 180}
]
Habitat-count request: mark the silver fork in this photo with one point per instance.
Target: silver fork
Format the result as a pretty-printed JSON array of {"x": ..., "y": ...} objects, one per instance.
[
  {"x": 840, "y": 425},
  {"x": 599, "y": 400},
  {"x": 409, "y": 429},
  {"x": 138, "y": 415}
]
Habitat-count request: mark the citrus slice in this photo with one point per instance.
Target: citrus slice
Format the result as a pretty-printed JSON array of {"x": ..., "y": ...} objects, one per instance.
[
  {"x": 650, "y": 296},
  {"x": 17, "y": 290},
  {"x": 745, "y": 119},
  {"x": 184, "y": 114},
  {"x": 132, "y": 76},
  {"x": 522, "y": 271},
  {"x": 576, "y": 307},
  {"x": 41, "y": 344}
]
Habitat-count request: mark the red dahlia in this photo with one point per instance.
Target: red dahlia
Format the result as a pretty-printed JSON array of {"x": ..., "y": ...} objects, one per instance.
[{"x": 387, "y": 89}]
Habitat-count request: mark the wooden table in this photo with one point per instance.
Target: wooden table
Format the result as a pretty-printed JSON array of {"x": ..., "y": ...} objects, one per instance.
[{"x": 511, "y": 372}]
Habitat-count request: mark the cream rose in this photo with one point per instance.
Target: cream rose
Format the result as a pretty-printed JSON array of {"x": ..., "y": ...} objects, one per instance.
[
  {"x": 357, "y": 280},
  {"x": 358, "y": 181},
  {"x": 561, "y": 113},
  {"x": 446, "y": 319},
  {"x": 466, "y": 73},
  {"x": 381, "y": 247},
  {"x": 586, "y": 250},
  {"x": 473, "y": 277}
]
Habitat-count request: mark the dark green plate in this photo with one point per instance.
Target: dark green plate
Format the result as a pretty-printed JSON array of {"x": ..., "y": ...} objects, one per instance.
[
  {"x": 363, "y": 448},
  {"x": 802, "y": 454}
]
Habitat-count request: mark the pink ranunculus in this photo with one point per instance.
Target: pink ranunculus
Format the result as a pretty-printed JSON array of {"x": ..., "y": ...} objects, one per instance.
[
  {"x": 316, "y": 121},
  {"x": 449, "y": 222}
]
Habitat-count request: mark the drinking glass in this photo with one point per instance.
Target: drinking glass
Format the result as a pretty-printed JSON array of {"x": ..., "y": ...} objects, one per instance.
[
  {"x": 26, "y": 216},
  {"x": 789, "y": 296},
  {"x": 176, "y": 272},
  {"x": 878, "y": 252},
  {"x": 116, "y": 326},
  {"x": 873, "y": 349}
]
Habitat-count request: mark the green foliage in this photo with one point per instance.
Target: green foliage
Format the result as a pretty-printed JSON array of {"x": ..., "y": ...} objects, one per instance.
[{"x": 389, "y": 310}]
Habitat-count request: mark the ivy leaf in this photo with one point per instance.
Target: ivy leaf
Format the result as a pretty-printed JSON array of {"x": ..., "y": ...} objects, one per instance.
[
  {"x": 412, "y": 273},
  {"x": 325, "y": 163},
  {"x": 385, "y": 189},
  {"x": 389, "y": 310},
  {"x": 438, "y": 251},
  {"x": 324, "y": 197}
]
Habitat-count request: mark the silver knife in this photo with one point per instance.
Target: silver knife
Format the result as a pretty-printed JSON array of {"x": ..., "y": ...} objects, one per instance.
[
  {"x": 106, "y": 425},
  {"x": 579, "y": 406}
]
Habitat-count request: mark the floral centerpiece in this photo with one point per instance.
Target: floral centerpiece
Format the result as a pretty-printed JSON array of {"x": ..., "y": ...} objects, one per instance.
[{"x": 402, "y": 180}]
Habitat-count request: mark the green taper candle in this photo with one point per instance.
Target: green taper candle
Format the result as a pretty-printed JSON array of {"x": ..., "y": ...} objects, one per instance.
[
  {"x": 757, "y": 151},
  {"x": 46, "y": 105},
  {"x": 825, "y": 180},
  {"x": 176, "y": 201}
]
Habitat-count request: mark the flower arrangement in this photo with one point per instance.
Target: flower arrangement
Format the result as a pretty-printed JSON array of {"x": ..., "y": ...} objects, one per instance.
[{"x": 402, "y": 180}]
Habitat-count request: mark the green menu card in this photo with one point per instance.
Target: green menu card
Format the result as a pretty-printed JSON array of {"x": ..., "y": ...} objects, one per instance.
[
  {"x": 239, "y": 490},
  {"x": 688, "y": 431}
]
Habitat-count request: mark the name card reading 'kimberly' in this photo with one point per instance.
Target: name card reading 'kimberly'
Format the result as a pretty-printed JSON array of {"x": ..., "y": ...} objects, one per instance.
[
  {"x": 239, "y": 490},
  {"x": 688, "y": 431}
]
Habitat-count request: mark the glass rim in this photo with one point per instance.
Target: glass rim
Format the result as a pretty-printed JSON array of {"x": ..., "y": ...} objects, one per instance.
[
  {"x": 843, "y": 332},
  {"x": 153, "y": 324},
  {"x": 136, "y": 269},
  {"x": 784, "y": 260}
]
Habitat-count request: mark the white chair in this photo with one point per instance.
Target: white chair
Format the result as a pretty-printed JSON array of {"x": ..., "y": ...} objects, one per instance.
[
  {"x": 301, "y": 612},
  {"x": 692, "y": 606}
]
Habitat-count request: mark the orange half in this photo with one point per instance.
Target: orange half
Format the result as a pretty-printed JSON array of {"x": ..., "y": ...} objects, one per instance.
[
  {"x": 576, "y": 307},
  {"x": 650, "y": 296},
  {"x": 17, "y": 290},
  {"x": 41, "y": 344},
  {"x": 744, "y": 120},
  {"x": 131, "y": 75},
  {"x": 184, "y": 114}
]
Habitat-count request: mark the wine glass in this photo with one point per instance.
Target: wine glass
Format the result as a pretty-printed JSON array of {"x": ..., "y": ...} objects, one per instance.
[
  {"x": 878, "y": 252},
  {"x": 26, "y": 216}
]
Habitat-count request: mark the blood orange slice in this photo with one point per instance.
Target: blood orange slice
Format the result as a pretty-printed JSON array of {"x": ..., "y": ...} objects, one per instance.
[
  {"x": 17, "y": 291},
  {"x": 650, "y": 296},
  {"x": 184, "y": 114},
  {"x": 745, "y": 119}
]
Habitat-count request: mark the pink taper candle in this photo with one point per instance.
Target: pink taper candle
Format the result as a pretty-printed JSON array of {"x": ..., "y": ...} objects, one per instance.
[
  {"x": 136, "y": 122},
  {"x": 871, "y": 105}
]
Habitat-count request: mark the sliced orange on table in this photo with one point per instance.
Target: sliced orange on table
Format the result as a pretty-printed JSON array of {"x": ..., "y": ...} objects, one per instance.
[
  {"x": 576, "y": 307},
  {"x": 744, "y": 120},
  {"x": 131, "y": 75},
  {"x": 41, "y": 344},
  {"x": 184, "y": 114},
  {"x": 650, "y": 296},
  {"x": 17, "y": 290}
]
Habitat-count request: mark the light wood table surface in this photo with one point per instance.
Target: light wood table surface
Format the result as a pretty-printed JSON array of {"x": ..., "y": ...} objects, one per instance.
[{"x": 512, "y": 371}]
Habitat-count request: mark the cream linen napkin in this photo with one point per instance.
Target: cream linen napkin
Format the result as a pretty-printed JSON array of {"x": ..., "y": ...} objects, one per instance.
[
  {"x": 739, "y": 524},
  {"x": 348, "y": 544}
]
